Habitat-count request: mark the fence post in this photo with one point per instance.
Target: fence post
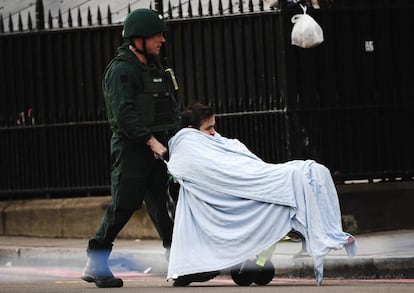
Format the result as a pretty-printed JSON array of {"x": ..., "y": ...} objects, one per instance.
[
  {"x": 283, "y": 83},
  {"x": 40, "y": 15}
]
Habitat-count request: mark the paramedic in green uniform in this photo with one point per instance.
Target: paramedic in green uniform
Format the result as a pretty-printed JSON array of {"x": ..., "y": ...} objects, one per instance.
[{"x": 142, "y": 114}]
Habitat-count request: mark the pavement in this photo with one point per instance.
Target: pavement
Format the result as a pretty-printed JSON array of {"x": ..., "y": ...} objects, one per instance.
[{"x": 388, "y": 254}]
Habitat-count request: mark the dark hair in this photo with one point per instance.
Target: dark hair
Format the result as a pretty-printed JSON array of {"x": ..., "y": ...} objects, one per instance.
[{"x": 195, "y": 114}]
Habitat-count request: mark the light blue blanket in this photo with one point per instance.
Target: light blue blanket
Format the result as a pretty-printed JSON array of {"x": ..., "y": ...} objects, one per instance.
[{"x": 232, "y": 205}]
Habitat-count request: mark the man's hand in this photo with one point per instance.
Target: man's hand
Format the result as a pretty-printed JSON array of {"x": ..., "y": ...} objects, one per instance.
[{"x": 156, "y": 147}]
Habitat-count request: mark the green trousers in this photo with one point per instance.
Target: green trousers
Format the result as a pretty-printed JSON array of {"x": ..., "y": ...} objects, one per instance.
[{"x": 136, "y": 177}]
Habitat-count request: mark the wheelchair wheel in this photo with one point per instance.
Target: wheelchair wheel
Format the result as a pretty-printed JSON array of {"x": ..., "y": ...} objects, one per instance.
[
  {"x": 244, "y": 274},
  {"x": 265, "y": 274}
]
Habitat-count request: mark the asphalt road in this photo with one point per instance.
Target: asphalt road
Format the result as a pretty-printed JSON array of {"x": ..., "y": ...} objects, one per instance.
[
  {"x": 154, "y": 284},
  {"x": 384, "y": 264}
]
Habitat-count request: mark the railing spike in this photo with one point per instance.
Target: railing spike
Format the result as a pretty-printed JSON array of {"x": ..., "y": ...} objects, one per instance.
[
  {"x": 99, "y": 17},
  {"x": 40, "y": 15},
  {"x": 220, "y": 7},
  {"x": 89, "y": 16},
  {"x": 158, "y": 5},
  {"x": 190, "y": 10},
  {"x": 11, "y": 29},
  {"x": 49, "y": 20},
  {"x": 250, "y": 6},
  {"x": 79, "y": 17},
  {"x": 60, "y": 19},
  {"x": 180, "y": 9},
  {"x": 1, "y": 24},
  {"x": 20, "y": 23},
  {"x": 109, "y": 17},
  {"x": 170, "y": 13},
  {"x": 69, "y": 18},
  {"x": 241, "y": 6},
  {"x": 261, "y": 5},
  {"x": 210, "y": 8},
  {"x": 200, "y": 8},
  {"x": 29, "y": 22},
  {"x": 129, "y": 8},
  {"x": 230, "y": 7}
]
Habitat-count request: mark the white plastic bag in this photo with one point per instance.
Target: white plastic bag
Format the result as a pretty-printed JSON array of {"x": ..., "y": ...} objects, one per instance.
[{"x": 306, "y": 32}]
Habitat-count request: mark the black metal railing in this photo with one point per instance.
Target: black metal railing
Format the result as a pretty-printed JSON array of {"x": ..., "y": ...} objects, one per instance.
[
  {"x": 56, "y": 159},
  {"x": 348, "y": 103}
]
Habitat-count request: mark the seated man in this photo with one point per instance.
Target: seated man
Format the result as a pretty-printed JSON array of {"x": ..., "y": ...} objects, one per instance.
[{"x": 232, "y": 205}]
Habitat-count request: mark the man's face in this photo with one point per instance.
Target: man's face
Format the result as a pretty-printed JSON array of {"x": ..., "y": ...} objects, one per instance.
[
  {"x": 153, "y": 44},
  {"x": 207, "y": 125}
]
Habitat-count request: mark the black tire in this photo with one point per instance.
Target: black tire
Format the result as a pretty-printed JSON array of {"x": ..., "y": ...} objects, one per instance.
[
  {"x": 244, "y": 276},
  {"x": 265, "y": 274}
]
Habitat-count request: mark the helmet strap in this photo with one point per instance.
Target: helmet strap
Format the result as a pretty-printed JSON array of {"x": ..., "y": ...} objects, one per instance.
[
  {"x": 139, "y": 51},
  {"x": 144, "y": 45}
]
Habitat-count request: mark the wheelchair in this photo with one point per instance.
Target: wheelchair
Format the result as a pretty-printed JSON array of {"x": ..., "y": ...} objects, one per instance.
[{"x": 261, "y": 271}]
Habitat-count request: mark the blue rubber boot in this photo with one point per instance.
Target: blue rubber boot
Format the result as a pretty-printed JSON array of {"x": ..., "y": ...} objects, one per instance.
[{"x": 97, "y": 269}]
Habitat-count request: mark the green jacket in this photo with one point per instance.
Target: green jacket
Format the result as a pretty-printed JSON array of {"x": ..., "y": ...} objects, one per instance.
[{"x": 137, "y": 97}]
